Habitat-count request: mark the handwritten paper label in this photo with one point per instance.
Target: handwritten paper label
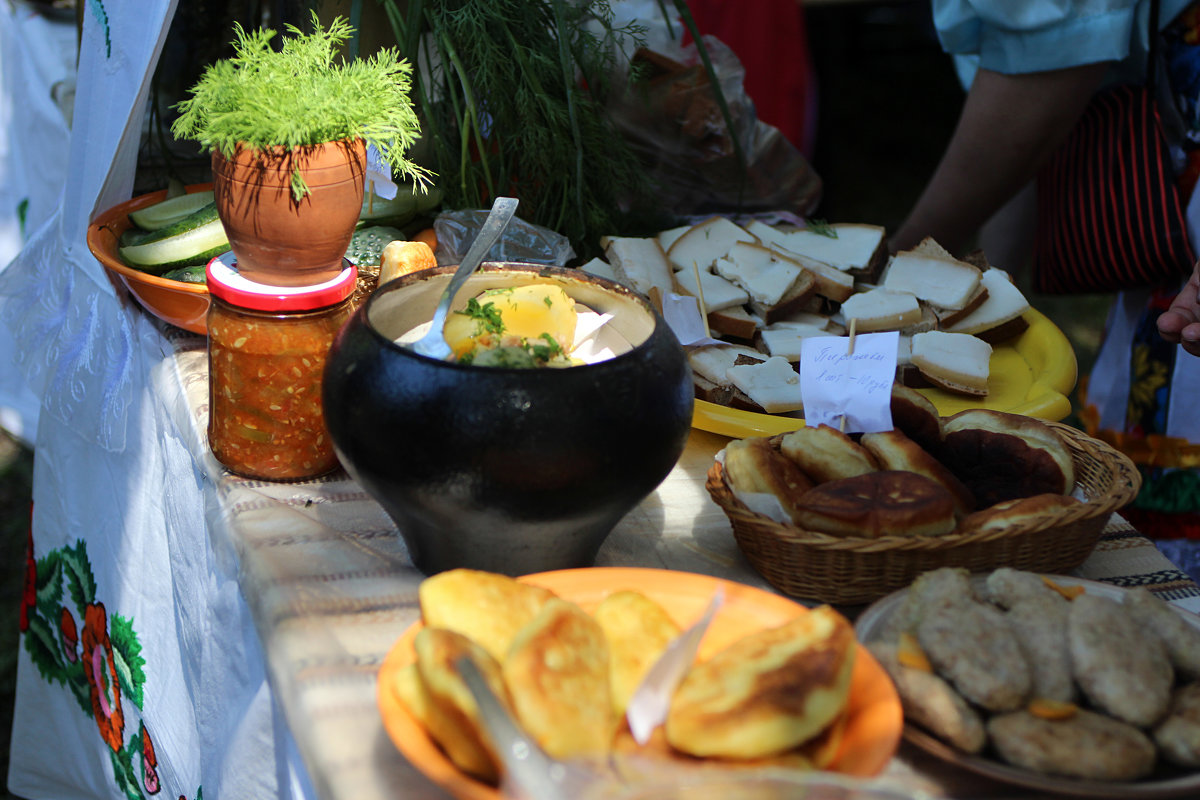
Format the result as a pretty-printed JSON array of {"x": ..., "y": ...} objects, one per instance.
[{"x": 855, "y": 385}]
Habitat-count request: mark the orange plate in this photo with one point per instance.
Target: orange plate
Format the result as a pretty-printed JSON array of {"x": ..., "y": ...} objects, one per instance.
[
  {"x": 182, "y": 304},
  {"x": 872, "y": 730}
]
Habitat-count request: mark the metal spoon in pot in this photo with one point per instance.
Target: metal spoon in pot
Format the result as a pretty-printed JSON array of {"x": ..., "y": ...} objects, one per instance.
[{"x": 433, "y": 343}]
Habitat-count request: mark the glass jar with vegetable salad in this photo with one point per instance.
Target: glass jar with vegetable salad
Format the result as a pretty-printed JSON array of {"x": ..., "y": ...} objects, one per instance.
[{"x": 267, "y": 347}]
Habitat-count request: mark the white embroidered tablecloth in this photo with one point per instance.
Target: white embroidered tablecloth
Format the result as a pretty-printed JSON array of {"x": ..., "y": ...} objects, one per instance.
[{"x": 330, "y": 588}]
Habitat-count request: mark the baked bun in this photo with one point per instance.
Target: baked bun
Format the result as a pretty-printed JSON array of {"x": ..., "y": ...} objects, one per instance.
[
  {"x": 826, "y": 454},
  {"x": 557, "y": 673},
  {"x": 768, "y": 692},
  {"x": 1008, "y": 513},
  {"x": 1002, "y": 456},
  {"x": 893, "y": 450},
  {"x": 755, "y": 465},
  {"x": 917, "y": 417},
  {"x": 884, "y": 503}
]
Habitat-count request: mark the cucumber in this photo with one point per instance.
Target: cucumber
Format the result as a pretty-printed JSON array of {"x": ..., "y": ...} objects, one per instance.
[
  {"x": 406, "y": 205},
  {"x": 133, "y": 236},
  {"x": 192, "y": 240},
  {"x": 167, "y": 212},
  {"x": 367, "y": 244},
  {"x": 192, "y": 274}
]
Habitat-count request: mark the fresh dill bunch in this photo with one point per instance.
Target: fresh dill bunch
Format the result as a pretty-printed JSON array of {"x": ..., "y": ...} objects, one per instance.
[
  {"x": 303, "y": 94},
  {"x": 513, "y": 97}
]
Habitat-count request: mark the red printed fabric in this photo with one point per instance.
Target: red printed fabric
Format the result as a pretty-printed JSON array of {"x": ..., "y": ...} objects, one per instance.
[{"x": 1109, "y": 211}]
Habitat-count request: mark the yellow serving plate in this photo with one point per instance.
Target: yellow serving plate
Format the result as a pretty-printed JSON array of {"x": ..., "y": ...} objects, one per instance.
[{"x": 1030, "y": 374}]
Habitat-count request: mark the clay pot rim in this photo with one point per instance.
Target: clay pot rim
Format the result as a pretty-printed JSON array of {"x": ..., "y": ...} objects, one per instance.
[
  {"x": 659, "y": 324},
  {"x": 280, "y": 157}
]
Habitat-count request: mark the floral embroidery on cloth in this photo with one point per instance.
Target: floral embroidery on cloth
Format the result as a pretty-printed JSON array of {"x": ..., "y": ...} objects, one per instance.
[{"x": 74, "y": 640}]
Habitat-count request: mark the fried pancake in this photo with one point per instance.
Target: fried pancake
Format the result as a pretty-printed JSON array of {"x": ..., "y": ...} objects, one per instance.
[
  {"x": 1005, "y": 586},
  {"x": 1002, "y": 456},
  {"x": 662, "y": 761},
  {"x": 932, "y": 703},
  {"x": 826, "y": 454},
  {"x": 406, "y": 686},
  {"x": 1039, "y": 622},
  {"x": 1120, "y": 666},
  {"x": 485, "y": 607},
  {"x": 1181, "y": 639},
  {"x": 452, "y": 715},
  {"x": 768, "y": 692},
  {"x": 1087, "y": 745},
  {"x": 917, "y": 417},
  {"x": 887, "y": 503},
  {"x": 557, "y": 675},
  {"x": 1178, "y": 735},
  {"x": 895, "y": 450},
  {"x": 638, "y": 630},
  {"x": 972, "y": 646},
  {"x": 942, "y": 586},
  {"x": 756, "y": 465}
]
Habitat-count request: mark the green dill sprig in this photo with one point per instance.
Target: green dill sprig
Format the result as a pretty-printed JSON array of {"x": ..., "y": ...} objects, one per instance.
[
  {"x": 487, "y": 317},
  {"x": 304, "y": 94},
  {"x": 822, "y": 228},
  {"x": 513, "y": 97}
]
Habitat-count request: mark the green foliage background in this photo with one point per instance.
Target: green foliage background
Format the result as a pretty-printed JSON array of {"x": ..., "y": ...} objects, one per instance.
[{"x": 512, "y": 98}]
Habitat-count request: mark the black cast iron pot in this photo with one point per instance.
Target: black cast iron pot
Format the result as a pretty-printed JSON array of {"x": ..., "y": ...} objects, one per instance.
[{"x": 507, "y": 470}]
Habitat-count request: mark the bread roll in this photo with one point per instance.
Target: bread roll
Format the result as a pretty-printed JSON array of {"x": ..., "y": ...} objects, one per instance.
[
  {"x": 1002, "y": 456},
  {"x": 1007, "y": 513},
  {"x": 893, "y": 450},
  {"x": 885, "y": 503},
  {"x": 767, "y": 692},
  {"x": 755, "y": 465},
  {"x": 826, "y": 454},
  {"x": 401, "y": 257},
  {"x": 917, "y": 417},
  {"x": 557, "y": 673}
]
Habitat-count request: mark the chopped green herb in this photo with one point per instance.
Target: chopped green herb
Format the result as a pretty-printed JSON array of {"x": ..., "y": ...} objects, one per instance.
[
  {"x": 549, "y": 303},
  {"x": 822, "y": 228},
  {"x": 487, "y": 315},
  {"x": 545, "y": 352}
]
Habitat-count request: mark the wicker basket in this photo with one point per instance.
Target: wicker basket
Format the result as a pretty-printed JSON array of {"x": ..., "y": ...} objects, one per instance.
[{"x": 851, "y": 571}]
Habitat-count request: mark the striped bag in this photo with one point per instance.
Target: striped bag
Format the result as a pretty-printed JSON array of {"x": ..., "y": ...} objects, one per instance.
[{"x": 1109, "y": 214}]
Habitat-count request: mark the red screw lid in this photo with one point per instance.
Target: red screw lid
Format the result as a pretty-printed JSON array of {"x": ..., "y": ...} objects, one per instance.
[{"x": 227, "y": 284}]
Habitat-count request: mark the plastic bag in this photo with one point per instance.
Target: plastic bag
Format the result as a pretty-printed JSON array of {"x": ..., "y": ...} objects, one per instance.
[
  {"x": 521, "y": 241},
  {"x": 672, "y": 119}
]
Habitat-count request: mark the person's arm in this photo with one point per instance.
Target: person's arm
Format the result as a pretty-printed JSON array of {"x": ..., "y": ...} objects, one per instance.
[
  {"x": 1181, "y": 322},
  {"x": 1008, "y": 127}
]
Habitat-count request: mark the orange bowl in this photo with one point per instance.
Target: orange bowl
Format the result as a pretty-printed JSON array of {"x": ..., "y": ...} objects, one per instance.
[{"x": 181, "y": 304}]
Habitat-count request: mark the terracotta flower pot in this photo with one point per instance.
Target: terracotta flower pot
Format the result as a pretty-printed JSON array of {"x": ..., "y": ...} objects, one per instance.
[{"x": 275, "y": 238}]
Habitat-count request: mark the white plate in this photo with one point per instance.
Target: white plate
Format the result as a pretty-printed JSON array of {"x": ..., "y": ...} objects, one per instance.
[{"x": 1165, "y": 781}]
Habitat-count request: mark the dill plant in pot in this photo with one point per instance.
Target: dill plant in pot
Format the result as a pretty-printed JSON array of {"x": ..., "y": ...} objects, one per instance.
[{"x": 288, "y": 130}]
